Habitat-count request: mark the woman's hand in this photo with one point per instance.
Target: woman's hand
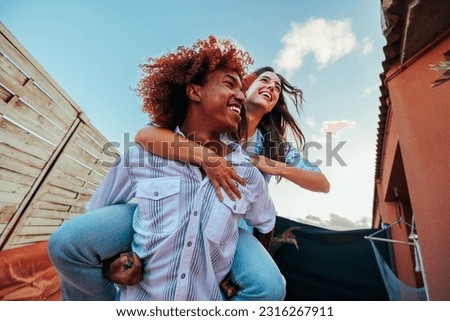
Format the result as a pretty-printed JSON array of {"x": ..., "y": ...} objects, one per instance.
[
  {"x": 267, "y": 165},
  {"x": 222, "y": 174},
  {"x": 312, "y": 181},
  {"x": 228, "y": 287},
  {"x": 125, "y": 269}
]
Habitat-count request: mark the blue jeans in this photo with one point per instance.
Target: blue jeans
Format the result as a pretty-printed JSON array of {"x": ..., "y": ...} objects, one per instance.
[{"x": 78, "y": 248}]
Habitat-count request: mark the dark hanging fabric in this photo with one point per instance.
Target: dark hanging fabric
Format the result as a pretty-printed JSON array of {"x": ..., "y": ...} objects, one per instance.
[{"x": 330, "y": 265}]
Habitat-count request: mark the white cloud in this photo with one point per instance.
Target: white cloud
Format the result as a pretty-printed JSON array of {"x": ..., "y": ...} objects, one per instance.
[
  {"x": 313, "y": 78},
  {"x": 327, "y": 40},
  {"x": 367, "y": 46},
  {"x": 309, "y": 121},
  {"x": 336, "y": 222},
  {"x": 368, "y": 90}
]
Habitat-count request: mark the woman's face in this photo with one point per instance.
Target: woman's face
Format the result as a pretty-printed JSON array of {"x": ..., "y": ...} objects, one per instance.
[{"x": 264, "y": 91}]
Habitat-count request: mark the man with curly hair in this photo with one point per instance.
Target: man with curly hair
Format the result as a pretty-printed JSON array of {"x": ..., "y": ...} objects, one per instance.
[{"x": 185, "y": 237}]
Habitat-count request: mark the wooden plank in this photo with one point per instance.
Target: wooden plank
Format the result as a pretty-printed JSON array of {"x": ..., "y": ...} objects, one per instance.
[
  {"x": 73, "y": 167},
  {"x": 96, "y": 177},
  {"x": 60, "y": 174},
  {"x": 96, "y": 148},
  {"x": 5, "y": 95},
  {"x": 57, "y": 199},
  {"x": 59, "y": 191},
  {"x": 19, "y": 167},
  {"x": 36, "y": 230},
  {"x": 5, "y": 218},
  {"x": 17, "y": 53},
  {"x": 7, "y": 210},
  {"x": 32, "y": 120},
  {"x": 55, "y": 181},
  {"x": 14, "y": 187},
  {"x": 102, "y": 170},
  {"x": 20, "y": 139},
  {"x": 7, "y": 175},
  {"x": 91, "y": 186},
  {"x": 84, "y": 198},
  {"x": 7, "y": 197},
  {"x": 13, "y": 79},
  {"x": 40, "y": 100},
  {"x": 81, "y": 155},
  {"x": 69, "y": 166},
  {"x": 84, "y": 141},
  {"x": 24, "y": 240},
  {"x": 11, "y": 76},
  {"x": 98, "y": 137},
  {"x": 24, "y": 157},
  {"x": 36, "y": 212},
  {"x": 80, "y": 208},
  {"x": 38, "y": 221},
  {"x": 101, "y": 156},
  {"x": 50, "y": 206}
]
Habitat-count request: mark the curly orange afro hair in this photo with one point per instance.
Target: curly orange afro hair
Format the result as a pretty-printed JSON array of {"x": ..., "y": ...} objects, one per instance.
[{"x": 164, "y": 80}]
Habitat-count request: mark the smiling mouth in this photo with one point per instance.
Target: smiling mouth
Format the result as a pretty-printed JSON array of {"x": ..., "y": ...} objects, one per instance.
[
  {"x": 235, "y": 109},
  {"x": 267, "y": 95}
]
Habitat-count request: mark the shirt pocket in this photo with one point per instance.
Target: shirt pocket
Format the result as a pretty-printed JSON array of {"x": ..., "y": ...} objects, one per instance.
[
  {"x": 222, "y": 220},
  {"x": 159, "y": 202}
]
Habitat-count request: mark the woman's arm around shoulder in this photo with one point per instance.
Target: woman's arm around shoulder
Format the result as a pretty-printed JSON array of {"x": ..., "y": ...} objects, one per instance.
[
  {"x": 295, "y": 169},
  {"x": 166, "y": 143}
]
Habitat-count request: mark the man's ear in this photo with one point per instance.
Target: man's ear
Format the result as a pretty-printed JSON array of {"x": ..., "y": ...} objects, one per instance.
[{"x": 194, "y": 92}]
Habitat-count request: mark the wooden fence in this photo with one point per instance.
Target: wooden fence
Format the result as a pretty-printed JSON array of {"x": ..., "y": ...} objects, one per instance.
[{"x": 50, "y": 155}]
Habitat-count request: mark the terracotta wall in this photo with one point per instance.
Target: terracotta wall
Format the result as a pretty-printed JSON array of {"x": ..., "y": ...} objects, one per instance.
[{"x": 419, "y": 126}]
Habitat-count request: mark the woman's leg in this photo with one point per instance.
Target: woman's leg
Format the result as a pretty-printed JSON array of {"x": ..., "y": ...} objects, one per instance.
[
  {"x": 79, "y": 246},
  {"x": 255, "y": 272}
]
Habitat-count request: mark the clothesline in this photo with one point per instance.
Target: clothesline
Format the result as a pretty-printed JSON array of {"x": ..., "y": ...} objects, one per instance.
[{"x": 387, "y": 240}]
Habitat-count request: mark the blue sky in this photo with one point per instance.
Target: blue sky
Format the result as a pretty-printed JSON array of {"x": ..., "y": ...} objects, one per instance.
[{"x": 331, "y": 49}]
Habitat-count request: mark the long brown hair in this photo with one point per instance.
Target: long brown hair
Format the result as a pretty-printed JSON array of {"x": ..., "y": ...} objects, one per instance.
[{"x": 274, "y": 125}]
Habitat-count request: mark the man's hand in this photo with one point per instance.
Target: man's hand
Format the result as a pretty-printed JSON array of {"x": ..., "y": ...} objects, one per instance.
[
  {"x": 229, "y": 288},
  {"x": 125, "y": 269}
]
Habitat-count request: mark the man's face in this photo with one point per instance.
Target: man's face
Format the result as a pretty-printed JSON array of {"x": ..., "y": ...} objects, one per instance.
[{"x": 222, "y": 100}]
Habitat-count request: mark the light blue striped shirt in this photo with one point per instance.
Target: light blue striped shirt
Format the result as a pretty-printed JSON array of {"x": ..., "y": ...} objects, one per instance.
[
  {"x": 185, "y": 236},
  {"x": 255, "y": 145}
]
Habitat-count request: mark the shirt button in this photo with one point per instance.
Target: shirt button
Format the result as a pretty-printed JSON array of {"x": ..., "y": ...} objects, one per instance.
[
  {"x": 156, "y": 194},
  {"x": 234, "y": 207},
  {"x": 195, "y": 213},
  {"x": 189, "y": 244},
  {"x": 183, "y": 276}
]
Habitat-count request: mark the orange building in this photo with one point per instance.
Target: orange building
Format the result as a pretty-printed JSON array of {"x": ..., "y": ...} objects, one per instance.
[{"x": 412, "y": 176}]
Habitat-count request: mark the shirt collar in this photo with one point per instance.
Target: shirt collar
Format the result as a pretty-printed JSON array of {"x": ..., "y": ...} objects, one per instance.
[{"x": 236, "y": 157}]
